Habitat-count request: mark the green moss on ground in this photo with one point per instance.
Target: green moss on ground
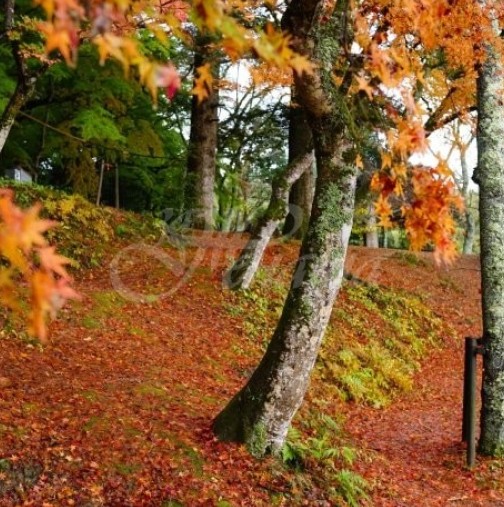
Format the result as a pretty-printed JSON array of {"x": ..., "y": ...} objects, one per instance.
[{"x": 86, "y": 233}]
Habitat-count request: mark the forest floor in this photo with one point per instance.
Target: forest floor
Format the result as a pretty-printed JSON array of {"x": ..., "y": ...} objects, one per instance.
[{"x": 117, "y": 408}]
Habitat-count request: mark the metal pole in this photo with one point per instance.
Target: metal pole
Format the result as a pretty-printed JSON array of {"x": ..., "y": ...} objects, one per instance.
[
  {"x": 467, "y": 388},
  {"x": 471, "y": 349}
]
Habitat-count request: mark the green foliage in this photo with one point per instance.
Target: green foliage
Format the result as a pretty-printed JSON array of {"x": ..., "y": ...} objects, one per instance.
[
  {"x": 105, "y": 117},
  {"x": 381, "y": 335},
  {"x": 97, "y": 123},
  {"x": 320, "y": 447},
  {"x": 318, "y": 451},
  {"x": 373, "y": 344},
  {"x": 352, "y": 487},
  {"x": 7, "y": 81}
]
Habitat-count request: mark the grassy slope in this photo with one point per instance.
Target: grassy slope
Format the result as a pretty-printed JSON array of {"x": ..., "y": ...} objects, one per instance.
[
  {"x": 147, "y": 377},
  {"x": 86, "y": 233}
]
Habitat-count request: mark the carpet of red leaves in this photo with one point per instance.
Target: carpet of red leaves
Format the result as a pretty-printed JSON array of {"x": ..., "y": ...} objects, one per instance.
[{"x": 117, "y": 409}]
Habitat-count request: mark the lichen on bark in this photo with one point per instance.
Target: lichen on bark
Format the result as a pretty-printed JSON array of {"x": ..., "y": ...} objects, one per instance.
[
  {"x": 491, "y": 180},
  {"x": 261, "y": 413}
]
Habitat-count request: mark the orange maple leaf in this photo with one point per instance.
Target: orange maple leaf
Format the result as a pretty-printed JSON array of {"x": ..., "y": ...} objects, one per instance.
[
  {"x": 51, "y": 261},
  {"x": 363, "y": 85}
]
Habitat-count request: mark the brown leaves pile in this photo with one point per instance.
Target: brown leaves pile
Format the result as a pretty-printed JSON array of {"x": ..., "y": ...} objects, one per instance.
[{"x": 29, "y": 263}]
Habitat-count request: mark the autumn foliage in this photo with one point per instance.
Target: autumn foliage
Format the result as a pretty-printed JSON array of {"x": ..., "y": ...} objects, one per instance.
[
  {"x": 29, "y": 263},
  {"x": 111, "y": 25},
  {"x": 421, "y": 60},
  {"x": 408, "y": 51}
]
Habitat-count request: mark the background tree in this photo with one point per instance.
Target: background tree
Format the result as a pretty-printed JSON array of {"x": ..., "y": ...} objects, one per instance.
[
  {"x": 20, "y": 49},
  {"x": 202, "y": 149},
  {"x": 79, "y": 117},
  {"x": 244, "y": 268},
  {"x": 252, "y": 137},
  {"x": 468, "y": 219}
]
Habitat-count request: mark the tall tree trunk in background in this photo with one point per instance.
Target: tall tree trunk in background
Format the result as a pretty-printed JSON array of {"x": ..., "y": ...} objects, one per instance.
[
  {"x": 243, "y": 270},
  {"x": 371, "y": 237},
  {"x": 202, "y": 149},
  {"x": 469, "y": 219},
  {"x": 469, "y": 232},
  {"x": 490, "y": 176},
  {"x": 116, "y": 186},
  {"x": 261, "y": 413},
  {"x": 100, "y": 182},
  {"x": 301, "y": 193}
]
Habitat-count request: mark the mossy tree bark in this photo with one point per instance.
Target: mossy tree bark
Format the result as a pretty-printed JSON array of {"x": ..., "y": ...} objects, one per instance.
[
  {"x": 202, "y": 149},
  {"x": 261, "y": 413},
  {"x": 240, "y": 275},
  {"x": 301, "y": 193},
  {"x": 16, "y": 102},
  {"x": 490, "y": 140}
]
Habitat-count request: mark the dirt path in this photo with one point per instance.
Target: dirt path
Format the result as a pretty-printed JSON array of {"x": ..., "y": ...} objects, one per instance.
[{"x": 419, "y": 457}]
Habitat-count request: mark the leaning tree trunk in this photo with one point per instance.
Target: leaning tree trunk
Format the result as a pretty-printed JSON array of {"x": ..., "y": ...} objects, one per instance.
[
  {"x": 490, "y": 176},
  {"x": 301, "y": 193},
  {"x": 261, "y": 413},
  {"x": 11, "y": 111},
  {"x": 202, "y": 149},
  {"x": 25, "y": 85},
  {"x": 240, "y": 275}
]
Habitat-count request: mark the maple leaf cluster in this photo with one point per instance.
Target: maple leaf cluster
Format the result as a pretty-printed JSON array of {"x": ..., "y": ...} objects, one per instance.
[
  {"x": 428, "y": 212},
  {"x": 28, "y": 262},
  {"x": 110, "y": 26}
]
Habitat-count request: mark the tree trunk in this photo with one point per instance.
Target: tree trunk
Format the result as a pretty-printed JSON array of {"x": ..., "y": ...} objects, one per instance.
[
  {"x": 261, "y": 413},
  {"x": 301, "y": 193},
  {"x": 469, "y": 219},
  {"x": 100, "y": 182},
  {"x": 491, "y": 181},
  {"x": 202, "y": 149},
  {"x": 25, "y": 83},
  {"x": 16, "y": 102},
  {"x": 371, "y": 237},
  {"x": 243, "y": 270},
  {"x": 116, "y": 186},
  {"x": 470, "y": 231}
]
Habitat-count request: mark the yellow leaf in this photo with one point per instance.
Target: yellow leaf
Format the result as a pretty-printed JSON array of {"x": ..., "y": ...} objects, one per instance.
[{"x": 203, "y": 82}]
